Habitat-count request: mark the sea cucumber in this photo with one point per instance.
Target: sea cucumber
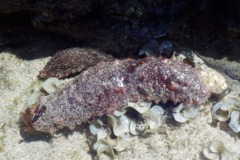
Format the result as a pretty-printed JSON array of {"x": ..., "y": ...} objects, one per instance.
[
  {"x": 108, "y": 86},
  {"x": 70, "y": 61}
]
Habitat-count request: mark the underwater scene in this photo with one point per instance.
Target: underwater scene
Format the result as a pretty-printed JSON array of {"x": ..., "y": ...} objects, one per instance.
[{"x": 120, "y": 80}]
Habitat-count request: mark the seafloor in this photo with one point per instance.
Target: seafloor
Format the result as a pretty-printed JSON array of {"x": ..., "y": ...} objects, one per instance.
[{"x": 18, "y": 77}]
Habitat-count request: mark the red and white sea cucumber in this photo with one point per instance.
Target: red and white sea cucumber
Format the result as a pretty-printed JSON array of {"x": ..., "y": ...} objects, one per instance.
[{"x": 108, "y": 86}]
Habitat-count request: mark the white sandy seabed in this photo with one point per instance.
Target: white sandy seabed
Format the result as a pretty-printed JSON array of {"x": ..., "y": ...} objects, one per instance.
[{"x": 17, "y": 80}]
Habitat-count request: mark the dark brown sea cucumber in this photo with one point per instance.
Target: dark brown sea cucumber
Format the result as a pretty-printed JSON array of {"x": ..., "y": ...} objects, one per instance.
[
  {"x": 103, "y": 88},
  {"x": 70, "y": 61}
]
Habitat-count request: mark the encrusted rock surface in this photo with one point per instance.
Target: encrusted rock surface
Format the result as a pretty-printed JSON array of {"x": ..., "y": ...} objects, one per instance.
[{"x": 113, "y": 25}]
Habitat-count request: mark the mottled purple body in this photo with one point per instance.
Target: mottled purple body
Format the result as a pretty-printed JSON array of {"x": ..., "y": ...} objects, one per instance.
[{"x": 103, "y": 88}]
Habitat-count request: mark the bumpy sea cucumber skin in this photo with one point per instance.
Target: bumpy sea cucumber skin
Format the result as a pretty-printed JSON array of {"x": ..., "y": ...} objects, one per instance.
[
  {"x": 103, "y": 88},
  {"x": 70, "y": 61}
]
